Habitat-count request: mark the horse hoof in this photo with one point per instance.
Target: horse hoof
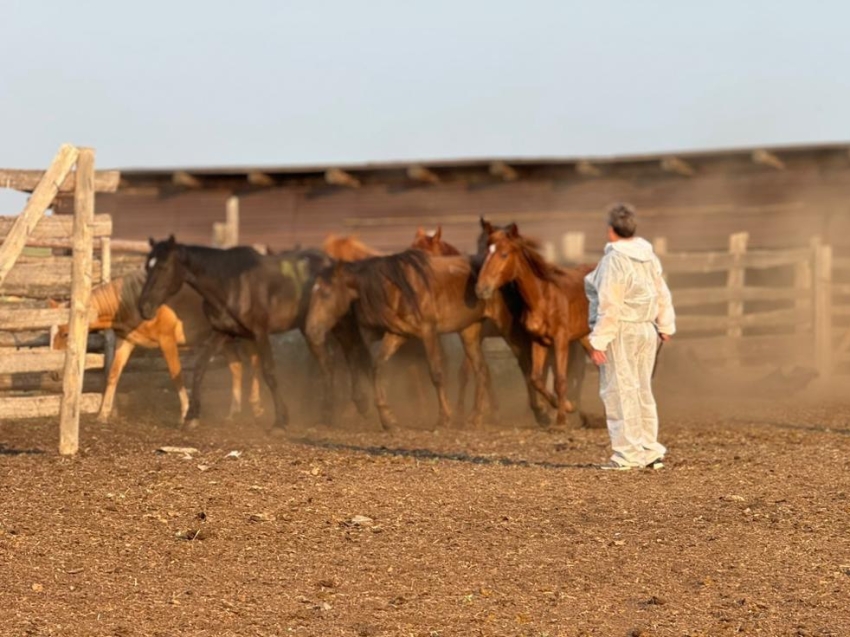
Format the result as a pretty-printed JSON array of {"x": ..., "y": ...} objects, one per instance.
[
  {"x": 362, "y": 404},
  {"x": 103, "y": 419},
  {"x": 543, "y": 419},
  {"x": 193, "y": 423},
  {"x": 475, "y": 421}
]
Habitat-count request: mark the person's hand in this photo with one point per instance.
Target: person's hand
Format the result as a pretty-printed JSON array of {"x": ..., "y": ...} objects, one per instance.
[
  {"x": 598, "y": 357},
  {"x": 665, "y": 337}
]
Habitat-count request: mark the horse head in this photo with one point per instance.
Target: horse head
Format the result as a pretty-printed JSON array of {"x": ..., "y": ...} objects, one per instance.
[
  {"x": 432, "y": 243},
  {"x": 330, "y": 299},
  {"x": 165, "y": 275},
  {"x": 504, "y": 252}
]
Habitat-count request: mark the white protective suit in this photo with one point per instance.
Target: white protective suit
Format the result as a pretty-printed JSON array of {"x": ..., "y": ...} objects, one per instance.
[{"x": 630, "y": 304}]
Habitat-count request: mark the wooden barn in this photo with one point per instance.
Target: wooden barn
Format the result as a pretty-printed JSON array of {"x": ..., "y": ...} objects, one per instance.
[{"x": 782, "y": 197}]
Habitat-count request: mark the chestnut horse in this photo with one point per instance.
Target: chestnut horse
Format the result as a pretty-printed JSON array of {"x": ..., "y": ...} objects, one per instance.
[
  {"x": 556, "y": 307},
  {"x": 403, "y": 296},
  {"x": 181, "y": 322}
]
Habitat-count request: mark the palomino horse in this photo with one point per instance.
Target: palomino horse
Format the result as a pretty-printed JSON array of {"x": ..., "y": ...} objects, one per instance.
[
  {"x": 556, "y": 305},
  {"x": 181, "y": 322},
  {"x": 246, "y": 295},
  {"x": 402, "y": 296}
]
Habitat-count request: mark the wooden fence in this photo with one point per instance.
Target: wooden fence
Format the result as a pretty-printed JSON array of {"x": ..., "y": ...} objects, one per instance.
[
  {"x": 28, "y": 277},
  {"x": 749, "y": 307}
]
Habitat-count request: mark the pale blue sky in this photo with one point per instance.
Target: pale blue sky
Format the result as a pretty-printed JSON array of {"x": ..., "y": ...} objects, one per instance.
[{"x": 163, "y": 83}]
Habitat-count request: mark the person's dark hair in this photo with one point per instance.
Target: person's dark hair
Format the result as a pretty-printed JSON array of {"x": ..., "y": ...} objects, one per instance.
[{"x": 623, "y": 219}]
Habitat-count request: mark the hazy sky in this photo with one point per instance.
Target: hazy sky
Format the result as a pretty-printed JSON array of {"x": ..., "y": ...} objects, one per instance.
[{"x": 159, "y": 83}]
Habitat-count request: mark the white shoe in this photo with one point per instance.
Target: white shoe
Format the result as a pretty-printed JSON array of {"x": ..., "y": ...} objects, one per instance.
[{"x": 615, "y": 466}]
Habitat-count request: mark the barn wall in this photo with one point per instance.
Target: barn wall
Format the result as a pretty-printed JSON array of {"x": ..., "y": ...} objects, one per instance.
[{"x": 779, "y": 208}]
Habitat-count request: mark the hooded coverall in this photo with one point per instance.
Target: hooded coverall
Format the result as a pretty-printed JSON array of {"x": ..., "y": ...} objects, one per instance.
[{"x": 630, "y": 305}]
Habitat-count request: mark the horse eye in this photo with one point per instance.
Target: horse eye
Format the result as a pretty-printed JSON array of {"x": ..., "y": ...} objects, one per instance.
[{"x": 504, "y": 255}]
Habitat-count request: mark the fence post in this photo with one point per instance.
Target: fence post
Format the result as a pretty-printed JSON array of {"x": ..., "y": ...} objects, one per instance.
[
  {"x": 231, "y": 224},
  {"x": 78, "y": 327},
  {"x": 823, "y": 309},
  {"x": 572, "y": 244},
  {"x": 735, "y": 282},
  {"x": 803, "y": 285},
  {"x": 106, "y": 277}
]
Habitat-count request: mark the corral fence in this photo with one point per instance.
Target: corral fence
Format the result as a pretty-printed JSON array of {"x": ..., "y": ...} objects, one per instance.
[
  {"x": 51, "y": 256},
  {"x": 744, "y": 307}
]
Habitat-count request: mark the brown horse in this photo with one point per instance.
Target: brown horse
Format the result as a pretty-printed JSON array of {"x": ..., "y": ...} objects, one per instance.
[
  {"x": 556, "y": 307},
  {"x": 432, "y": 243},
  {"x": 403, "y": 296},
  {"x": 348, "y": 248},
  {"x": 181, "y": 322}
]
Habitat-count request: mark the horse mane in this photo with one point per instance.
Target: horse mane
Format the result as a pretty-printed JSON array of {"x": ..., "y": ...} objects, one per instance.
[
  {"x": 218, "y": 263},
  {"x": 348, "y": 248},
  {"x": 541, "y": 268},
  {"x": 373, "y": 273}
]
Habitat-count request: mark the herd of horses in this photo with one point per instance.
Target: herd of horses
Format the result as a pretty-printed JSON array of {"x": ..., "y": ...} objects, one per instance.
[{"x": 370, "y": 304}]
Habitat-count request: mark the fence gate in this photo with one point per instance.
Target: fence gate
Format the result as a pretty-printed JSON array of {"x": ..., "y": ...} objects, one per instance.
[{"x": 26, "y": 281}]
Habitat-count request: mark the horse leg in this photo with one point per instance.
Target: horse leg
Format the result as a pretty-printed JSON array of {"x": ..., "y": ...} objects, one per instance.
[
  {"x": 264, "y": 348},
  {"x": 539, "y": 356},
  {"x": 254, "y": 397},
  {"x": 319, "y": 349},
  {"x": 357, "y": 358},
  {"x": 471, "y": 338},
  {"x": 234, "y": 363},
  {"x": 207, "y": 350},
  {"x": 434, "y": 352},
  {"x": 462, "y": 381},
  {"x": 575, "y": 373},
  {"x": 562, "y": 355},
  {"x": 122, "y": 354},
  {"x": 389, "y": 346},
  {"x": 168, "y": 346},
  {"x": 521, "y": 346}
]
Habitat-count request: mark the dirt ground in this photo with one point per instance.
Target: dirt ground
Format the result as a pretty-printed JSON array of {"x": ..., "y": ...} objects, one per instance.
[{"x": 507, "y": 530}]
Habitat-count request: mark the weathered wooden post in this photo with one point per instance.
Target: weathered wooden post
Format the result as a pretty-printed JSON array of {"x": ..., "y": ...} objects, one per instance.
[
  {"x": 106, "y": 277},
  {"x": 823, "y": 309},
  {"x": 78, "y": 327},
  {"x": 572, "y": 244},
  {"x": 735, "y": 282},
  {"x": 231, "y": 223},
  {"x": 33, "y": 212}
]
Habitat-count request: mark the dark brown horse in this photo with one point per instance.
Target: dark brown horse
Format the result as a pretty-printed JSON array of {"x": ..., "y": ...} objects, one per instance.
[
  {"x": 556, "y": 307},
  {"x": 403, "y": 296},
  {"x": 246, "y": 295}
]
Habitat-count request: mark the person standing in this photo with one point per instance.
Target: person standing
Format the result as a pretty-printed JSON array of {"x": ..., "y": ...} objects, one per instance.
[{"x": 630, "y": 310}]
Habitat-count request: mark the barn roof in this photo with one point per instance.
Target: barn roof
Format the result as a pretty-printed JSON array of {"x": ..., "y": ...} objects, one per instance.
[{"x": 354, "y": 175}]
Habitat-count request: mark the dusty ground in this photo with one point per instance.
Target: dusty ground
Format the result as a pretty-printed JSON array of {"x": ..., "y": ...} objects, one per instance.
[{"x": 503, "y": 531}]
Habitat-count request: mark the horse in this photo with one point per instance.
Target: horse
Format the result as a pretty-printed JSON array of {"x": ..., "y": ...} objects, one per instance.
[
  {"x": 246, "y": 295},
  {"x": 556, "y": 307},
  {"x": 181, "y": 322},
  {"x": 432, "y": 243},
  {"x": 403, "y": 296},
  {"x": 348, "y": 248}
]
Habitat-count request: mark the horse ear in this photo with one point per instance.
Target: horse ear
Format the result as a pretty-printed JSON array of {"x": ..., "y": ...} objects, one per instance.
[
  {"x": 486, "y": 226},
  {"x": 152, "y": 241},
  {"x": 420, "y": 232},
  {"x": 438, "y": 233},
  {"x": 171, "y": 240},
  {"x": 512, "y": 231},
  {"x": 53, "y": 304}
]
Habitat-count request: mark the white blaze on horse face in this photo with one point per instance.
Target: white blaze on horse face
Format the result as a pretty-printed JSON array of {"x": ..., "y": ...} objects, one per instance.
[
  {"x": 432, "y": 234},
  {"x": 151, "y": 263},
  {"x": 492, "y": 248}
]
